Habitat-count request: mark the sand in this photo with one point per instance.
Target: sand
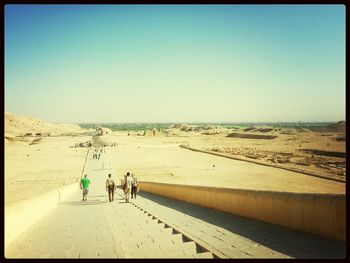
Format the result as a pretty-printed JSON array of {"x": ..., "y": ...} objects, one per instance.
[
  {"x": 160, "y": 159},
  {"x": 318, "y": 151},
  {"x": 31, "y": 170},
  {"x": 35, "y": 165},
  {"x": 20, "y": 125}
]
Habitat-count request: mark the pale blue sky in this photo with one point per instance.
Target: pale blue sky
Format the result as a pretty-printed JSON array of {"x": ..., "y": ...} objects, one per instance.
[{"x": 175, "y": 63}]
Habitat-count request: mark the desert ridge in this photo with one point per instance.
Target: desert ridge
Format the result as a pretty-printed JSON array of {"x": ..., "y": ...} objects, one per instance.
[{"x": 20, "y": 125}]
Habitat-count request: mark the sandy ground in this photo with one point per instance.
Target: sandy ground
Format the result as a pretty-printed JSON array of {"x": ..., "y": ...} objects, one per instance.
[
  {"x": 34, "y": 165},
  {"x": 161, "y": 159},
  {"x": 20, "y": 125},
  {"x": 319, "y": 151},
  {"x": 31, "y": 170}
]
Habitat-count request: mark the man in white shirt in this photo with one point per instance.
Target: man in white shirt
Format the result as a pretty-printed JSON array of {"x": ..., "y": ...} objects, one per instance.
[{"x": 128, "y": 185}]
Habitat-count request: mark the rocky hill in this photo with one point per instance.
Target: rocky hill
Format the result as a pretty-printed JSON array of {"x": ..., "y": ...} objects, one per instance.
[{"x": 20, "y": 125}]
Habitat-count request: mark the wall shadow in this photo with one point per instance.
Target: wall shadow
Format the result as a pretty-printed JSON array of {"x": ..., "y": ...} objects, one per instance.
[{"x": 290, "y": 242}]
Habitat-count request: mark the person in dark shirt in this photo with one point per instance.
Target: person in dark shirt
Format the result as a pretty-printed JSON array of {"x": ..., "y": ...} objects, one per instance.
[{"x": 110, "y": 187}]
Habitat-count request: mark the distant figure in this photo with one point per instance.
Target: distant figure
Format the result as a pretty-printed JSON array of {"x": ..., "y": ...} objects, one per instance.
[
  {"x": 127, "y": 187},
  {"x": 84, "y": 184},
  {"x": 134, "y": 186},
  {"x": 110, "y": 187},
  {"x": 99, "y": 155}
]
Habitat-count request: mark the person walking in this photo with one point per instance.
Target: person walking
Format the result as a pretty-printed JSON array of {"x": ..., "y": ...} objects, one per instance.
[
  {"x": 124, "y": 183},
  {"x": 128, "y": 185},
  {"x": 134, "y": 186},
  {"x": 84, "y": 185},
  {"x": 110, "y": 187}
]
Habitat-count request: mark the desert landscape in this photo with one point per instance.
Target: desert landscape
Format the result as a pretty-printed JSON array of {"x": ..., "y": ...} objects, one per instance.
[
  {"x": 232, "y": 119},
  {"x": 42, "y": 156},
  {"x": 320, "y": 151}
]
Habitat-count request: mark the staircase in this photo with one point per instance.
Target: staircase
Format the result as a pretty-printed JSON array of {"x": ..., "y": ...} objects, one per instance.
[{"x": 141, "y": 235}]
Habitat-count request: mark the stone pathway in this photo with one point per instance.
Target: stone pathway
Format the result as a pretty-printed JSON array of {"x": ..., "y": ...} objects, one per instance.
[
  {"x": 157, "y": 227},
  {"x": 100, "y": 229},
  {"x": 236, "y": 236}
]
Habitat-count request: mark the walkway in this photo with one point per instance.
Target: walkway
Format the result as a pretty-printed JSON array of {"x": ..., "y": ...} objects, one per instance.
[{"x": 152, "y": 226}]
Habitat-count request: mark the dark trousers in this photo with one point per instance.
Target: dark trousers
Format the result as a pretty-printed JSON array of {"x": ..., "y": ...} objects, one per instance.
[
  {"x": 111, "y": 193},
  {"x": 133, "y": 191}
]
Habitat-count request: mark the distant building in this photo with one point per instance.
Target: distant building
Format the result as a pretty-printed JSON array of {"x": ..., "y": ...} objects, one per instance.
[
  {"x": 102, "y": 131},
  {"x": 103, "y": 137}
]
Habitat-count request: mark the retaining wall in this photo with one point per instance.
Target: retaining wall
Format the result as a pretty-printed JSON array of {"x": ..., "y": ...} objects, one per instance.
[
  {"x": 321, "y": 214},
  {"x": 22, "y": 215}
]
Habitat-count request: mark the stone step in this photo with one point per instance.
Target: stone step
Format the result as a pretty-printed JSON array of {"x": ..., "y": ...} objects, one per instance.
[
  {"x": 141, "y": 228},
  {"x": 153, "y": 252},
  {"x": 167, "y": 240},
  {"x": 186, "y": 246},
  {"x": 204, "y": 255},
  {"x": 139, "y": 245},
  {"x": 142, "y": 250},
  {"x": 159, "y": 244},
  {"x": 135, "y": 217}
]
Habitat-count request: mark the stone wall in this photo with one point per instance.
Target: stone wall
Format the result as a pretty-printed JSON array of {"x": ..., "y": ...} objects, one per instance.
[{"x": 321, "y": 214}]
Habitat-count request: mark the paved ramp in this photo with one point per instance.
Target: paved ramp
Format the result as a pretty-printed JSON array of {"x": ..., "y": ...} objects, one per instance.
[
  {"x": 238, "y": 237},
  {"x": 157, "y": 227}
]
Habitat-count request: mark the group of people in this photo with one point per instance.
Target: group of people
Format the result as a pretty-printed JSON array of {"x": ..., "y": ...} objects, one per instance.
[
  {"x": 97, "y": 153},
  {"x": 130, "y": 187}
]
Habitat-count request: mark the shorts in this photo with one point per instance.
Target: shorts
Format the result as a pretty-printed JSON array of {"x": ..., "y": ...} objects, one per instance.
[{"x": 85, "y": 191}]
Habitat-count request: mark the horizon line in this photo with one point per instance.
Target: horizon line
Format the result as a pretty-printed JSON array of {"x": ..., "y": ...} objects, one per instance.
[{"x": 210, "y": 122}]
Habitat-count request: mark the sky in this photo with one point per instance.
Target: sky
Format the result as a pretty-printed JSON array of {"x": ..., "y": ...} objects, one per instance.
[{"x": 175, "y": 63}]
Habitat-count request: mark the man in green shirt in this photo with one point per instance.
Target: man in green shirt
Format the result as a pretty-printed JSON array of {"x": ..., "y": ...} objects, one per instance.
[{"x": 84, "y": 184}]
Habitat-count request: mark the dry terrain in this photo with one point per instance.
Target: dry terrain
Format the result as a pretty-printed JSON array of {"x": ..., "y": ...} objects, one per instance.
[
  {"x": 319, "y": 151},
  {"x": 39, "y": 157},
  {"x": 31, "y": 170},
  {"x": 160, "y": 159},
  {"x": 38, "y": 163}
]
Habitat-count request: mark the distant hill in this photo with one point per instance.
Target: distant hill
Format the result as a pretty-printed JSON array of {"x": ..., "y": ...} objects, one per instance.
[
  {"x": 337, "y": 127},
  {"x": 19, "y": 125}
]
